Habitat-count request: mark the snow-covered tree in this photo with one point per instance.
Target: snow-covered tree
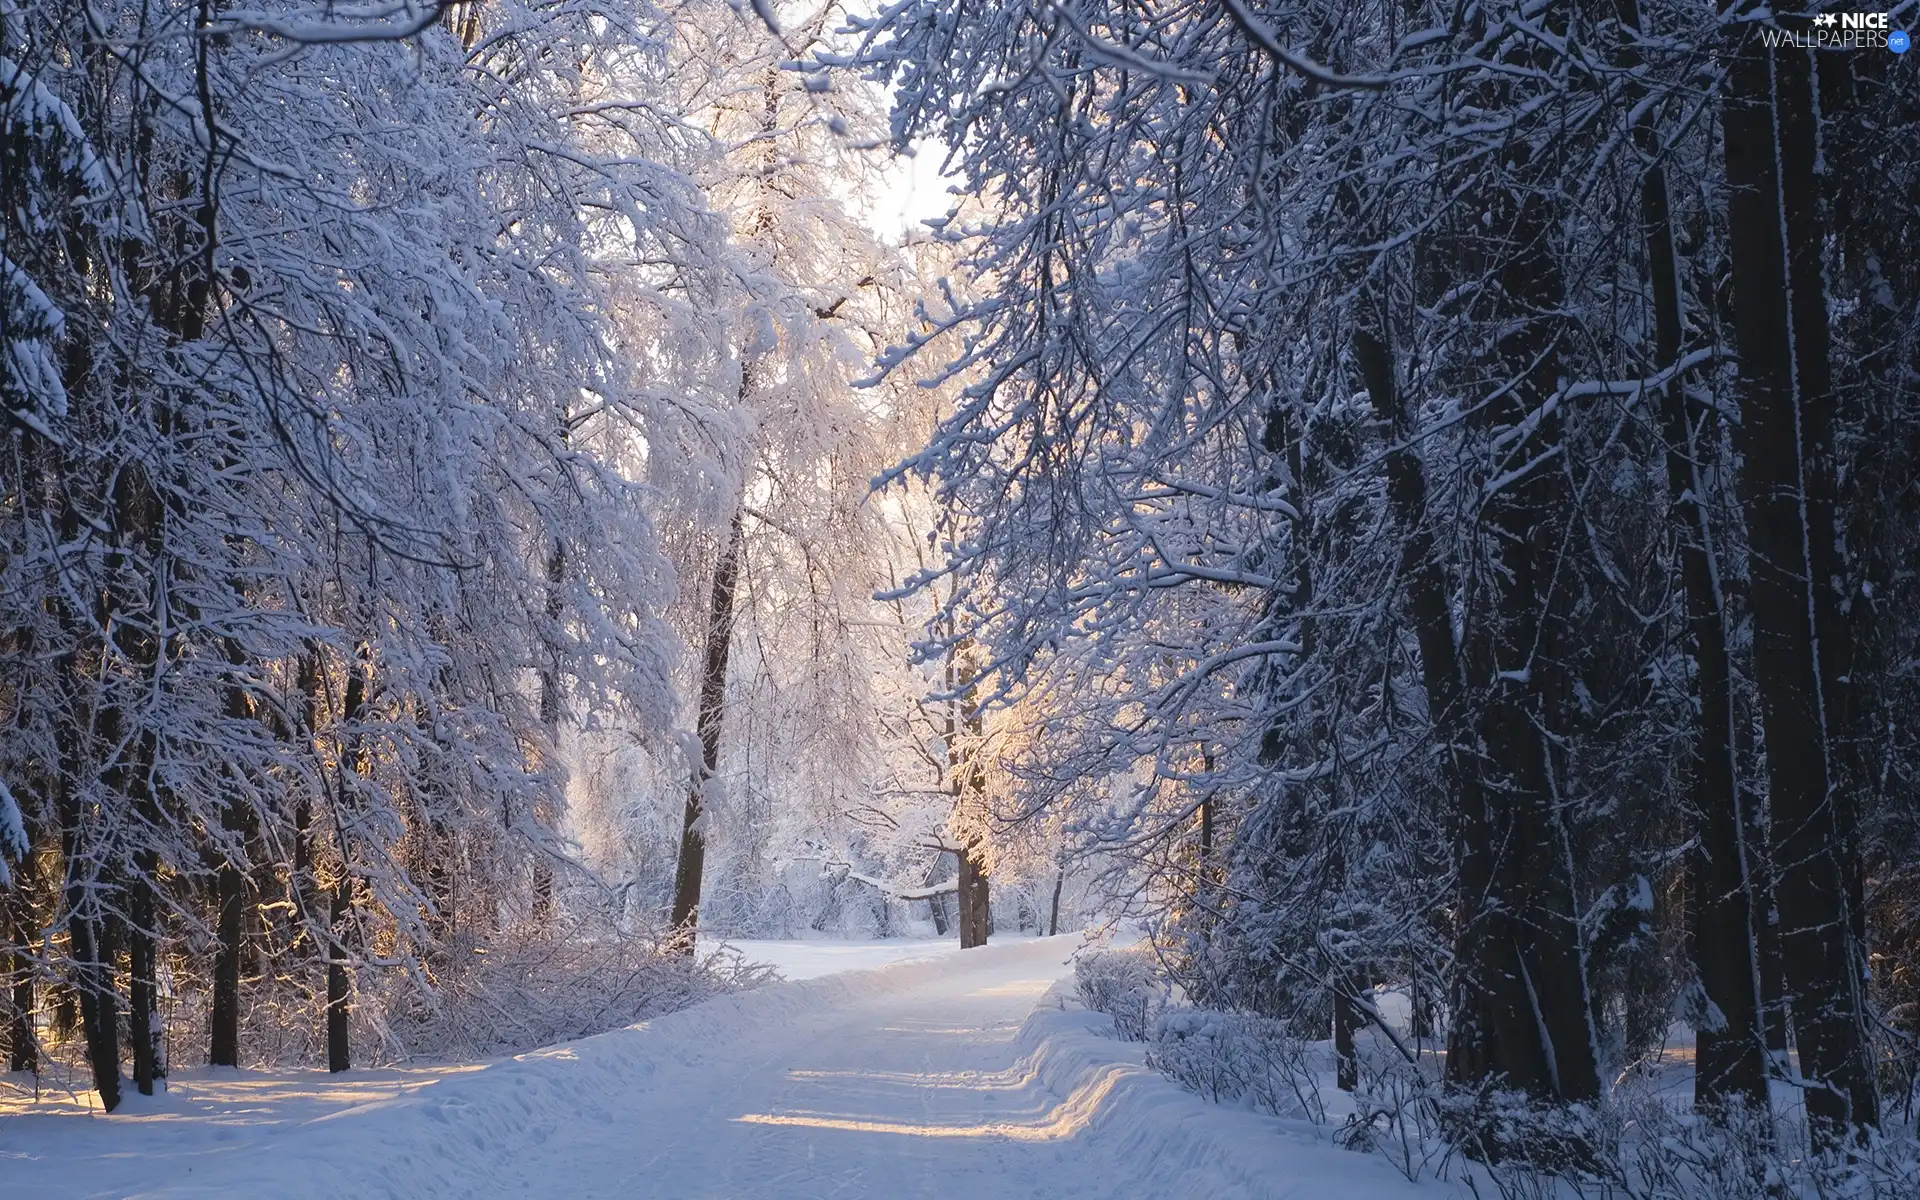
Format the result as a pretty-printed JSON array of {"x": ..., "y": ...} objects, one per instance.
[
  {"x": 1344, "y": 441},
  {"x": 327, "y": 493}
]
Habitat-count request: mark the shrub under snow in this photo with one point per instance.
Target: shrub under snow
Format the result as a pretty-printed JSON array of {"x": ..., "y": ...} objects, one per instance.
[
  {"x": 1124, "y": 984},
  {"x": 535, "y": 991},
  {"x": 1237, "y": 1058}
]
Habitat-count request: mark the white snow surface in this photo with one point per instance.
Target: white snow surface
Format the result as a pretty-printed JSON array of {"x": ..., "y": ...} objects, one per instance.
[
  {"x": 969, "y": 1074},
  {"x": 812, "y": 958}
]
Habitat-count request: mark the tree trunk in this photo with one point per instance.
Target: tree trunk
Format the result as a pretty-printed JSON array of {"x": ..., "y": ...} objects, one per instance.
[
  {"x": 340, "y": 908},
  {"x": 223, "y": 1023},
  {"x": 1520, "y": 1008},
  {"x": 143, "y": 1007},
  {"x": 99, "y": 1005},
  {"x": 92, "y": 970},
  {"x": 1520, "y": 950},
  {"x": 136, "y": 580},
  {"x": 937, "y": 910},
  {"x": 1730, "y": 1061},
  {"x": 134, "y": 781},
  {"x": 339, "y": 986},
  {"x": 1206, "y": 834},
  {"x": 300, "y": 881},
  {"x": 551, "y": 705},
  {"x": 974, "y": 908},
  {"x": 1346, "y": 1020},
  {"x": 1053, "y": 915},
  {"x": 23, "y": 1052},
  {"x": 1801, "y": 645},
  {"x": 713, "y": 702},
  {"x": 1773, "y": 986}
]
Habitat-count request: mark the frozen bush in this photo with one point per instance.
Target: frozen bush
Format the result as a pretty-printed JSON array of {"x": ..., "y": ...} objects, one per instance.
[
  {"x": 537, "y": 990},
  {"x": 1124, "y": 984},
  {"x": 1651, "y": 1151},
  {"x": 1399, "y": 1111},
  {"x": 1237, "y": 1058},
  {"x": 1643, "y": 1146}
]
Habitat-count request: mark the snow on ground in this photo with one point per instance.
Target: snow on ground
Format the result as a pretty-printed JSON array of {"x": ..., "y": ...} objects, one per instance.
[
  {"x": 810, "y": 959},
  {"x": 964, "y": 1075}
]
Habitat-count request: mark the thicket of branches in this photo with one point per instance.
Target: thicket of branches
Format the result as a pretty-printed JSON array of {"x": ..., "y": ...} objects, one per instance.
[
  {"x": 826, "y": 796},
  {"x": 336, "y": 343},
  {"x": 1445, "y": 476}
]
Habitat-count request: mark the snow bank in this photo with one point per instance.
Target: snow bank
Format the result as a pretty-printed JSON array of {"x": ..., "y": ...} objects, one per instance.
[{"x": 1174, "y": 1142}]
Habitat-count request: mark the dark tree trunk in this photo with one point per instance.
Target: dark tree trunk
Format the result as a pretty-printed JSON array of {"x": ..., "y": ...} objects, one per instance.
[
  {"x": 339, "y": 986},
  {"x": 66, "y": 1011},
  {"x": 1420, "y": 567},
  {"x": 1801, "y": 644},
  {"x": 1421, "y": 1017},
  {"x": 1730, "y": 1061},
  {"x": 99, "y": 1005},
  {"x": 1773, "y": 985},
  {"x": 87, "y": 937},
  {"x": 691, "y": 867},
  {"x": 1518, "y": 977},
  {"x": 1346, "y": 1021},
  {"x": 136, "y": 579},
  {"x": 134, "y": 781},
  {"x": 1206, "y": 834},
  {"x": 340, "y": 908},
  {"x": 944, "y": 921},
  {"x": 551, "y": 705},
  {"x": 974, "y": 908},
  {"x": 300, "y": 881},
  {"x": 23, "y": 1052},
  {"x": 223, "y": 1023},
  {"x": 1421, "y": 571},
  {"x": 1766, "y": 919},
  {"x": 1053, "y": 913},
  {"x": 1524, "y": 1013},
  {"x": 964, "y": 734},
  {"x": 143, "y": 1012}
]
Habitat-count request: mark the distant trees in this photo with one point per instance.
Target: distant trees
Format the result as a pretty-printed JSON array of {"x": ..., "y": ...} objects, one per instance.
[
  {"x": 832, "y": 784},
  {"x": 771, "y": 515},
  {"x": 1358, "y": 438}
]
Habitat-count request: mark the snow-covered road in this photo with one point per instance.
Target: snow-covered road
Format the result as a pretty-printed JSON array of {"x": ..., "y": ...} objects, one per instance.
[
  {"x": 908, "y": 1093},
  {"x": 959, "y": 1077}
]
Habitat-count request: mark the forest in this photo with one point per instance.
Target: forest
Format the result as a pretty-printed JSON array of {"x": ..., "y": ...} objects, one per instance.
[{"x": 1392, "y": 523}]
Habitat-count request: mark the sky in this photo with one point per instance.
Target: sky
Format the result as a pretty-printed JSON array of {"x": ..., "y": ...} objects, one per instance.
[{"x": 910, "y": 189}]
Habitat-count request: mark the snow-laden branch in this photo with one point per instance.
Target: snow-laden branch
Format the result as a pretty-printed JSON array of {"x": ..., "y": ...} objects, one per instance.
[
  {"x": 1264, "y": 37},
  {"x": 335, "y": 24}
]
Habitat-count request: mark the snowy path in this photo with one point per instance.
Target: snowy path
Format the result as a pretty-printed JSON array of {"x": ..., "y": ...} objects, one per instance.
[
  {"x": 907, "y": 1094},
  {"x": 937, "y": 1078},
  {"x": 812, "y": 958}
]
